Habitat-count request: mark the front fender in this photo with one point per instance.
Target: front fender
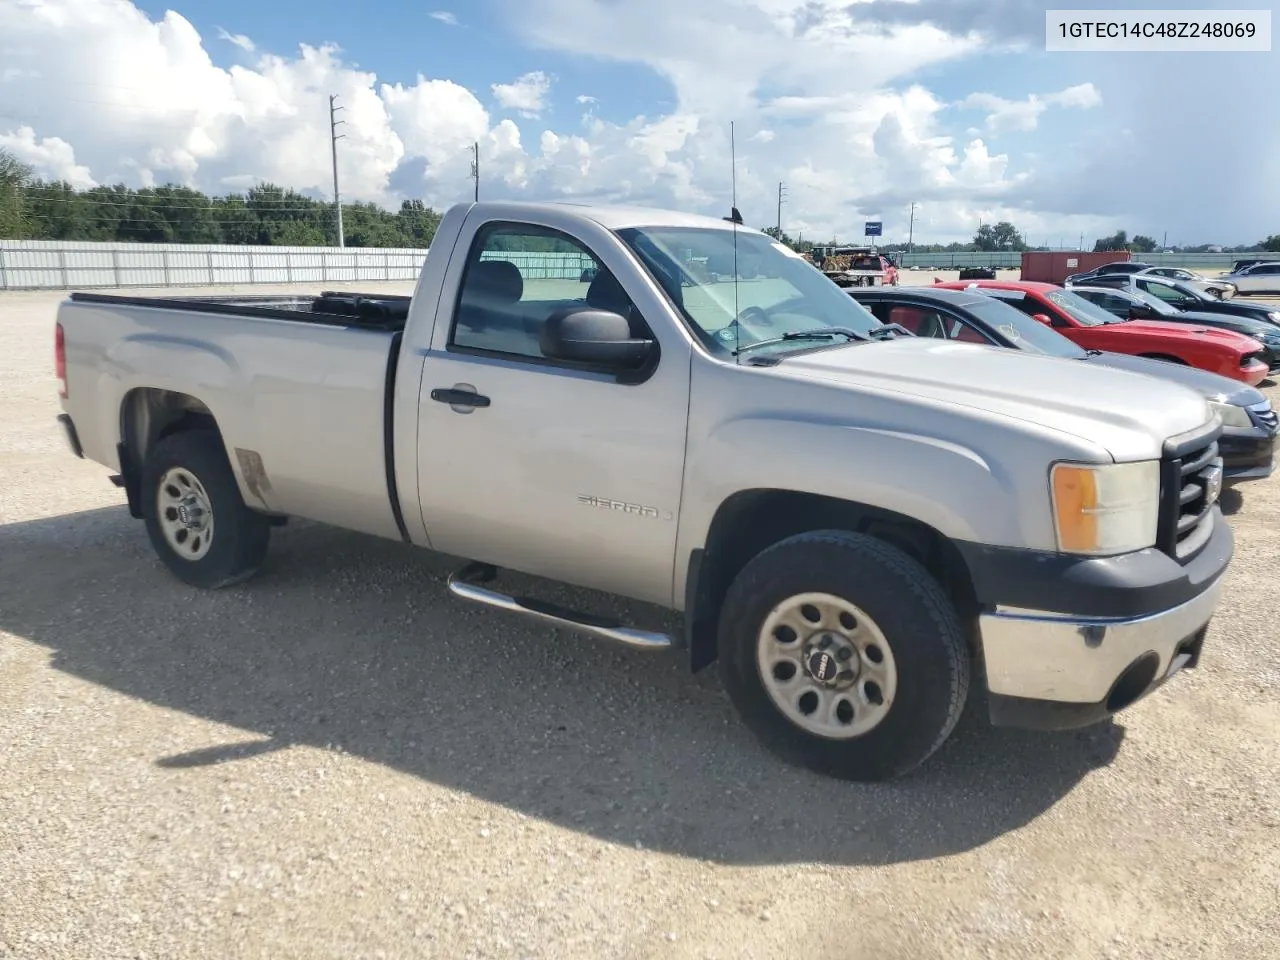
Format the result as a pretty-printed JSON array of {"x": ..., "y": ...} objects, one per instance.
[{"x": 960, "y": 491}]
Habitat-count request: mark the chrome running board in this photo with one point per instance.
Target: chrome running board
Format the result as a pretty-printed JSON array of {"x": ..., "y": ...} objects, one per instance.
[{"x": 464, "y": 584}]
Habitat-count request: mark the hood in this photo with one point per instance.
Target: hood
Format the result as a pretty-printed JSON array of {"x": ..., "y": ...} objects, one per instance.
[
  {"x": 1167, "y": 328},
  {"x": 1127, "y": 415},
  {"x": 1209, "y": 385},
  {"x": 1249, "y": 326}
]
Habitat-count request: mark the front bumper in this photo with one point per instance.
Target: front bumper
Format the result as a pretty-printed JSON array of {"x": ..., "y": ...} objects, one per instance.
[
  {"x": 1106, "y": 632},
  {"x": 1250, "y": 454}
]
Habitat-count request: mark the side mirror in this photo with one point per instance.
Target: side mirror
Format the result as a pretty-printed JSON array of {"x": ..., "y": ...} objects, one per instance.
[
  {"x": 1043, "y": 318},
  {"x": 593, "y": 336},
  {"x": 1136, "y": 312}
]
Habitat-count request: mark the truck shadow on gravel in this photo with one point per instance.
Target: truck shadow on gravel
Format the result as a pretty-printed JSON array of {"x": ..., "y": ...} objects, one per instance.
[{"x": 349, "y": 642}]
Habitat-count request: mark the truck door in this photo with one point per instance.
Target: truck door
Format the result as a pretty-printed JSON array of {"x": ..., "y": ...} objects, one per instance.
[{"x": 550, "y": 469}]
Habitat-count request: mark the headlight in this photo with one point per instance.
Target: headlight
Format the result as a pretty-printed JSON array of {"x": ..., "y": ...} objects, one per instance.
[
  {"x": 1102, "y": 509},
  {"x": 1232, "y": 416}
]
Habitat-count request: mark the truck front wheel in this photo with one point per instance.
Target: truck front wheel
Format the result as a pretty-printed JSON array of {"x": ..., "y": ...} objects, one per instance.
[
  {"x": 196, "y": 519},
  {"x": 843, "y": 655}
]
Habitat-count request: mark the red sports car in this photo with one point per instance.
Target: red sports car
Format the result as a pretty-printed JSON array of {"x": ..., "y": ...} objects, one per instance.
[{"x": 1223, "y": 352}]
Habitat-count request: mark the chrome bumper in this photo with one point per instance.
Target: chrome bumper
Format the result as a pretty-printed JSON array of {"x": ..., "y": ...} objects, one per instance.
[{"x": 1035, "y": 655}]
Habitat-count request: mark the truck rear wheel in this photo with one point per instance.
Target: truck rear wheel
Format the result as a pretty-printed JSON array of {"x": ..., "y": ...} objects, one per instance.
[
  {"x": 843, "y": 655},
  {"x": 195, "y": 517}
]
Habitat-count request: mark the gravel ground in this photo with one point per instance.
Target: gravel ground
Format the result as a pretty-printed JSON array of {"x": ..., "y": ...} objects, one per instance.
[{"x": 336, "y": 760}]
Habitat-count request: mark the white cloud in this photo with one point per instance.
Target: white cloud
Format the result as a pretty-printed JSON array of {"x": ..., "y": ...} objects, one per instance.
[
  {"x": 50, "y": 157},
  {"x": 1009, "y": 116},
  {"x": 239, "y": 39},
  {"x": 820, "y": 99},
  {"x": 526, "y": 94},
  {"x": 445, "y": 17}
]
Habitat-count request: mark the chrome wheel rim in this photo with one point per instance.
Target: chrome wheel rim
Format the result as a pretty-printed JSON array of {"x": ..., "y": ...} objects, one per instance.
[
  {"x": 186, "y": 513},
  {"x": 826, "y": 666}
]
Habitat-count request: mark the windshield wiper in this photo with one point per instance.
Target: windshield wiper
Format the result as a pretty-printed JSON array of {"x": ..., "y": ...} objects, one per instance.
[
  {"x": 889, "y": 331},
  {"x": 820, "y": 333}
]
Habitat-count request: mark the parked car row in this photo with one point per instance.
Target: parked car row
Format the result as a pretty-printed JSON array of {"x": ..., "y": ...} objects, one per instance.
[
  {"x": 1043, "y": 319},
  {"x": 1223, "y": 352},
  {"x": 1246, "y": 276},
  {"x": 1181, "y": 295}
]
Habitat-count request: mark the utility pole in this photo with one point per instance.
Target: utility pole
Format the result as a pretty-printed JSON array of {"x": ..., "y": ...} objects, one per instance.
[
  {"x": 334, "y": 137},
  {"x": 475, "y": 168},
  {"x": 911, "y": 227},
  {"x": 781, "y": 188}
]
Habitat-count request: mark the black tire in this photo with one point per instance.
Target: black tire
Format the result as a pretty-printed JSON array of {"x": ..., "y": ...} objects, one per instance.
[
  {"x": 240, "y": 538},
  {"x": 908, "y": 605}
]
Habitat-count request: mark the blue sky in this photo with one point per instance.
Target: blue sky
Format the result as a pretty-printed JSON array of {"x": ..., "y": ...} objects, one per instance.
[{"x": 860, "y": 108}]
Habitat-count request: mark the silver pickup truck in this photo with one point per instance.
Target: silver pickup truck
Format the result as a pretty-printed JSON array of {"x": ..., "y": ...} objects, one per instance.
[{"x": 854, "y": 522}]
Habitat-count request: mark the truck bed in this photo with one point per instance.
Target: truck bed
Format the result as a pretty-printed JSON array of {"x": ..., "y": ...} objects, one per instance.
[
  {"x": 332, "y": 308},
  {"x": 300, "y": 386}
]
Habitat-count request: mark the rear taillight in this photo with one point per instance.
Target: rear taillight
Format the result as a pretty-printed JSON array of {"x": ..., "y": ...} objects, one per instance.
[{"x": 60, "y": 359}]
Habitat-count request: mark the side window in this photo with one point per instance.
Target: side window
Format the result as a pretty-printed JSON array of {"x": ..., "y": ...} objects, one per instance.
[
  {"x": 920, "y": 321},
  {"x": 516, "y": 277},
  {"x": 1168, "y": 294},
  {"x": 959, "y": 330},
  {"x": 1269, "y": 269},
  {"x": 1113, "y": 304}
]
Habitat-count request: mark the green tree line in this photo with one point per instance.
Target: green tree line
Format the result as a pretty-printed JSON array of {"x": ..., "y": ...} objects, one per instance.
[
  {"x": 268, "y": 214},
  {"x": 33, "y": 209}
]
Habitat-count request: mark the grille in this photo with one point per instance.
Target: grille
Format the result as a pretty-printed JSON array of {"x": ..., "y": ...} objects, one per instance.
[
  {"x": 1189, "y": 485},
  {"x": 1250, "y": 358}
]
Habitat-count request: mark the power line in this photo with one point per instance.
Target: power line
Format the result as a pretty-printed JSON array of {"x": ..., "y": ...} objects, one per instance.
[
  {"x": 334, "y": 137},
  {"x": 781, "y": 190},
  {"x": 182, "y": 203}
]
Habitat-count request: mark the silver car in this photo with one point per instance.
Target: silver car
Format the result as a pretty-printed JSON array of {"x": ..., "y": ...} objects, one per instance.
[
  {"x": 1220, "y": 288},
  {"x": 1259, "y": 278}
]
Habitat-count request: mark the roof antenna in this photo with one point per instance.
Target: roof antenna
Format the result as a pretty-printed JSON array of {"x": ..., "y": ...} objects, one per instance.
[{"x": 735, "y": 218}]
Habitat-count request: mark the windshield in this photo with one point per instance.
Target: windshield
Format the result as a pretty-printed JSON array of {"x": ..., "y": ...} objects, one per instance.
[
  {"x": 777, "y": 291},
  {"x": 1081, "y": 310},
  {"x": 1024, "y": 332}
]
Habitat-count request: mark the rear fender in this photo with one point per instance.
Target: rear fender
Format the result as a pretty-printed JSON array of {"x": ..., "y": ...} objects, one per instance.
[{"x": 156, "y": 382}]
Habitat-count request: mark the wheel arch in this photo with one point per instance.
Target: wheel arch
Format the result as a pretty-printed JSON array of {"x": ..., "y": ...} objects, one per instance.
[
  {"x": 148, "y": 415},
  {"x": 752, "y": 520}
]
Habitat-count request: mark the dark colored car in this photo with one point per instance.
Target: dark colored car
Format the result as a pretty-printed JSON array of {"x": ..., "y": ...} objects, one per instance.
[
  {"x": 1250, "y": 426},
  {"x": 1119, "y": 268},
  {"x": 1183, "y": 297},
  {"x": 1138, "y": 305}
]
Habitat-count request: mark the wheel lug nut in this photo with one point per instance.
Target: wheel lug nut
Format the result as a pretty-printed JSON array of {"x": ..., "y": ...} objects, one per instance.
[
  {"x": 844, "y": 654},
  {"x": 825, "y": 643},
  {"x": 845, "y": 675}
]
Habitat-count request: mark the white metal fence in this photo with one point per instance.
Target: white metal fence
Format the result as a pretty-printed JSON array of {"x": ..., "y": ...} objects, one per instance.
[{"x": 61, "y": 265}]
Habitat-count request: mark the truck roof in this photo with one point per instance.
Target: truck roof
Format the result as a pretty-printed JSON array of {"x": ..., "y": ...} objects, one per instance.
[{"x": 610, "y": 216}]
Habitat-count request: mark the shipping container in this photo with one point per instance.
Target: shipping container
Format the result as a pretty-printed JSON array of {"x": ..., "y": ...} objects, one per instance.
[{"x": 1056, "y": 265}]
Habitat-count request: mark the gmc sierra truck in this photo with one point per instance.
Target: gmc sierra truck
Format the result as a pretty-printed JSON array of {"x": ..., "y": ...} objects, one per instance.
[{"x": 854, "y": 522}]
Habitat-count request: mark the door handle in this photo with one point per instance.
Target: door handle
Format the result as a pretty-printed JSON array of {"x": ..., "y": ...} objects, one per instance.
[{"x": 459, "y": 398}]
